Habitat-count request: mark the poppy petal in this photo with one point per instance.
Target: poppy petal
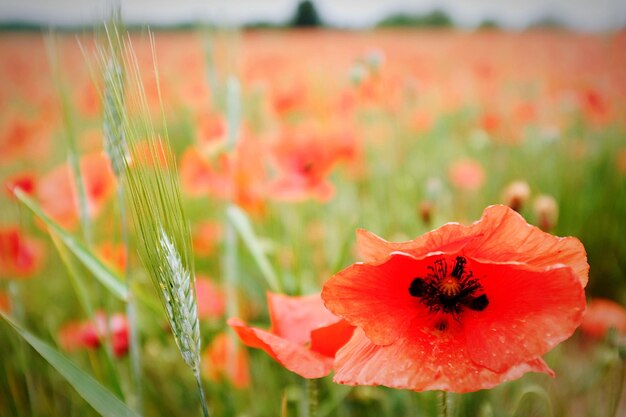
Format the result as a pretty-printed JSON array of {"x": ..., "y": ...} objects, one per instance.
[
  {"x": 328, "y": 340},
  {"x": 530, "y": 311},
  {"x": 297, "y": 358},
  {"x": 376, "y": 297},
  {"x": 501, "y": 235},
  {"x": 293, "y": 318},
  {"x": 450, "y": 237},
  {"x": 433, "y": 363}
]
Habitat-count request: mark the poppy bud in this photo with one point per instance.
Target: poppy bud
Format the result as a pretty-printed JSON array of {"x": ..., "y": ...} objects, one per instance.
[
  {"x": 516, "y": 194},
  {"x": 426, "y": 209},
  {"x": 375, "y": 59},
  {"x": 357, "y": 74},
  {"x": 546, "y": 212}
]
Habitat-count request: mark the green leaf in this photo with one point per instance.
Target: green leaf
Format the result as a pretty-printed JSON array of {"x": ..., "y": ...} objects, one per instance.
[
  {"x": 106, "y": 276},
  {"x": 242, "y": 224},
  {"x": 101, "y": 399},
  {"x": 525, "y": 406}
]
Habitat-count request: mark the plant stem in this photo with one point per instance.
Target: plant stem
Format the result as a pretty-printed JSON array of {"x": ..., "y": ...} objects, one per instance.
[
  {"x": 620, "y": 389},
  {"x": 70, "y": 134},
  {"x": 131, "y": 310},
  {"x": 205, "y": 408},
  {"x": 230, "y": 274},
  {"x": 443, "y": 396},
  {"x": 17, "y": 310},
  {"x": 312, "y": 392}
]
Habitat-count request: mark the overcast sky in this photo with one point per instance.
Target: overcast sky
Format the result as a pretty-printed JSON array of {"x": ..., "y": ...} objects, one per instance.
[{"x": 590, "y": 15}]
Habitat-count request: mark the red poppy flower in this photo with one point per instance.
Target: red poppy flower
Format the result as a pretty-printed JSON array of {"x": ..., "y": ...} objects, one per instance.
[
  {"x": 22, "y": 137},
  {"x": 88, "y": 334},
  {"x": 288, "y": 98},
  {"x": 304, "y": 336},
  {"x": 201, "y": 176},
  {"x": 601, "y": 316},
  {"x": 467, "y": 174},
  {"x": 461, "y": 308},
  {"x": 238, "y": 176},
  {"x": 304, "y": 159},
  {"x": 57, "y": 194},
  {"x": 211, "y": 302},
  {"x": 217, "y": 362},
  {"x": 114, "y": 255},
  {"x": 20, "y": 256},
  {"x": 25, "y": 181},
  {"x": 205, "y": 237},
  {"x": 210, "y": 131}
]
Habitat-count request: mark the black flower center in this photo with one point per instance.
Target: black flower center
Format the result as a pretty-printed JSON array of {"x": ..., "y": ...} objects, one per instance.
[{"x": 447, "y": 291}]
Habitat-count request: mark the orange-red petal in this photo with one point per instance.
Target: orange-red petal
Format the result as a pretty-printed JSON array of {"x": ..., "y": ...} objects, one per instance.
[
  {"x": 376, "y": 297},
  {"x": 434, "y": 363},
  {"x": 293, "y": 318},
  {"x": 328, "y": 340},
  {"x": 501, "y": 235},
  {"x": 295, "y": 357},
  {"x": 530, "y": 311}
]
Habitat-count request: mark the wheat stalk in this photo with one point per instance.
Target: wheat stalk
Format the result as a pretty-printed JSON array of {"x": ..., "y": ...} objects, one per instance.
[
  {"x": 142, "y": 158},
  {"x": 180, "y": 302}
]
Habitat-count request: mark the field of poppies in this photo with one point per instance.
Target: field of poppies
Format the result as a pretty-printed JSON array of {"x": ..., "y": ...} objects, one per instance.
[{"x": 312, "y": 223}]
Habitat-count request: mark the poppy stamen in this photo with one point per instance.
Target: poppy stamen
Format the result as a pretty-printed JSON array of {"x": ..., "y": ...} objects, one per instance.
[
  {"x": 479, "y": 303},
  {"x": 449, "y": 293}
]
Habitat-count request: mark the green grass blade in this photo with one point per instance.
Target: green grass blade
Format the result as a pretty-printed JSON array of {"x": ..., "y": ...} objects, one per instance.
[
  {"x": 524, "y": 406},
  {"x": 70, "y": 134},
  {"x": 233, "y": 112},
  {"x": 242, "y": 224},
  {"x": 101, "y": 399},
  {"x": 76, "y": 278},
  {"x": 106, "y": 276}
]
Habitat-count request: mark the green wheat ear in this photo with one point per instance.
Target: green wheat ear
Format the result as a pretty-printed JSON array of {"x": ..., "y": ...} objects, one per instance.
[{"x": 147, "y": 167}]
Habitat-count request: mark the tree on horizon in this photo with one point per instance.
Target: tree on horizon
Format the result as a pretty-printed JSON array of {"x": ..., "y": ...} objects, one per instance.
[{"x": 306, "y": 15}]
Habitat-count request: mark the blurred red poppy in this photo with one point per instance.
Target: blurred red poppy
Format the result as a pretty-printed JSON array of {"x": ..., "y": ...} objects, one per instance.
[
  {"x": 459, "y": 309},
  {"x": 114, "y": 255},
  {"x": 78, "y": 335},
  {"x": 23, "y": 137},
  {"x": 217, "y": 362},
  {"x": 238, "y": 176},
  {"x": 56, "y": 190},
  {"x": 206, "y": 236},
  {"x": 467, "y": 174},
  {"x": 211, "y": 301},
  {"x": 603, "y": 315},
  {"x": 20, "y": 256},
  {"x": 304, "y": 336},
  {"x": 304, "y": 160},
  {"x": 25, "y": 181}
]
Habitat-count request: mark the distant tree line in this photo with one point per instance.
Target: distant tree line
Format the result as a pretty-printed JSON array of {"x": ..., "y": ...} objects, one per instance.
[{"x": 306, "y": 15}]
